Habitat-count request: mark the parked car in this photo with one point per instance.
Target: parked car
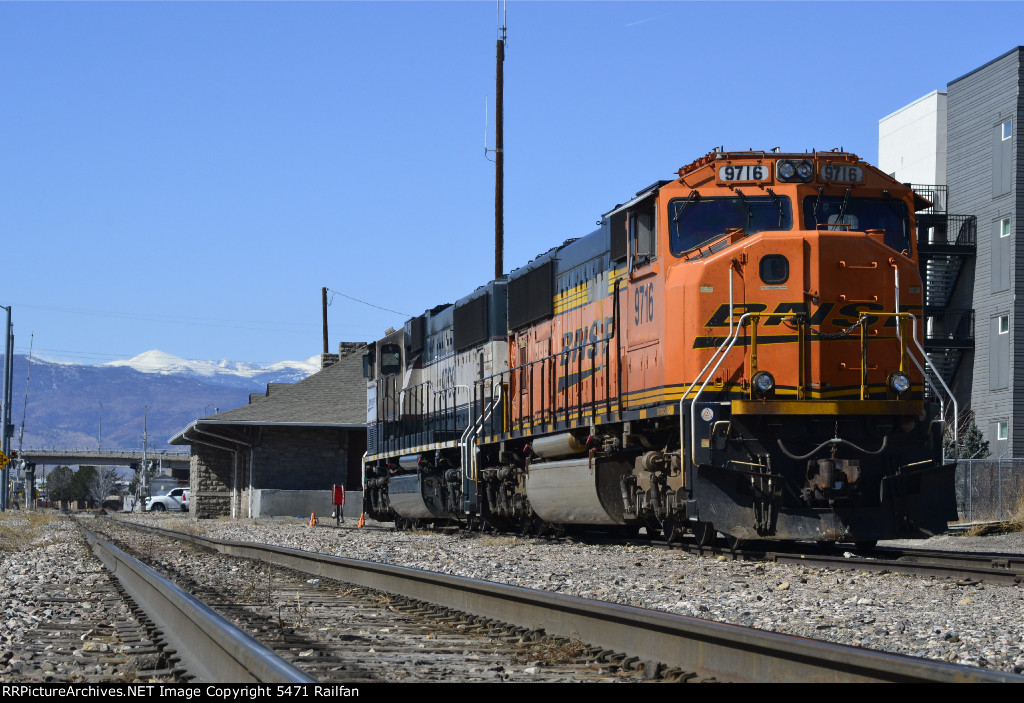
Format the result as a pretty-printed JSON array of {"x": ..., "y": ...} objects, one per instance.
[{"x": 174, "y": 499}]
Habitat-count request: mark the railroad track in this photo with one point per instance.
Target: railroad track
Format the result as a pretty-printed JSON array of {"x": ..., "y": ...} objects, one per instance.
[
  {"x": 625, "y": 637},
  {"x": 65, "y": 619},
  {"x": 339, "y": 632},
  {"x": 965, "y": 567}
]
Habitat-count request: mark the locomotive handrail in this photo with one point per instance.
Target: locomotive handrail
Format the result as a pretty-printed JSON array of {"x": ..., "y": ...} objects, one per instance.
[
  {"x": 392, "y": 402},
  {"x": 720, "y": 354},
  {"x": 467, "y": 457},
  {"x": 730, "y": 341},
  {"x": 924, "y": 374},
  {"x": 938, "y": 376},
  {"x": 682, "y": 415},
  {"x": 527, "y": 368},
  {"x": 466, "y": 442},
  {"x": 901, "y": 318},
  {"x": 801, "y": 341}
]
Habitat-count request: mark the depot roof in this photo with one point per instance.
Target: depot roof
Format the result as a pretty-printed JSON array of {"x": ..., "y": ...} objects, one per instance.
[{"x": 333, "y": 397}]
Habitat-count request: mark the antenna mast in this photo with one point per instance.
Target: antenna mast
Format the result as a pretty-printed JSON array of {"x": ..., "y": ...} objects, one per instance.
[{"x": 499, "y": 155}]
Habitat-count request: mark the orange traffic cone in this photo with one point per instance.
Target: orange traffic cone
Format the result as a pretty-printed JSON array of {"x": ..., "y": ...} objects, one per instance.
[
  {"x": 312, "y": 519},
  {"x": 362, "y": 519}
]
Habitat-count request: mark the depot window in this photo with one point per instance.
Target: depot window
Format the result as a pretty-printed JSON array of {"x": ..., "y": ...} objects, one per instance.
[
  {"x": 697, "y": 220},
  {"x": 1007, "y": 129},
  {"x": 1004, "y": 324},
  {"x": 1004, "y": 227},
  {"x": 1002, "y": 430}
]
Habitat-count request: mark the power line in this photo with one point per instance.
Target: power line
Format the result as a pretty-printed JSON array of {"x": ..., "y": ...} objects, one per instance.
[{"x": 334, "y": 292}]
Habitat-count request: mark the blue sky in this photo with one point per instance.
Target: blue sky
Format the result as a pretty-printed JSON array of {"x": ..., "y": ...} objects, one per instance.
[{"x": 187, "y": 176}]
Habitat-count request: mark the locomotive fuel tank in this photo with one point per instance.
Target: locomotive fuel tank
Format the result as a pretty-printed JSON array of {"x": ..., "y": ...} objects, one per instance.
[{"x": 580, "y": 491}]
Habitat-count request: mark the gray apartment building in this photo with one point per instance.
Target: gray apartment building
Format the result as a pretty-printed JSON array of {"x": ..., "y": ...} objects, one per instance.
[{"x": 960, "y": 148}]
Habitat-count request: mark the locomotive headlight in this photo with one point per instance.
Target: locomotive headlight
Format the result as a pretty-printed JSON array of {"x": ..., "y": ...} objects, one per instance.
[
  {"x": 763, "y": 383},
  {"x": 899, "y": 383},
  {"x": 801, "y": 170}
]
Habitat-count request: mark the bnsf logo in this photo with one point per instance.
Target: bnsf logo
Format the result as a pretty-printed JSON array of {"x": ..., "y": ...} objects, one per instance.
[
  {"x": 845, "y": 316},
  {"x": 582, "y": 336}
]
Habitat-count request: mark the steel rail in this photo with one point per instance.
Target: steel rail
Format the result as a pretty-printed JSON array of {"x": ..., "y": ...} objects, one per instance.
[
  {"x": 723, "y": 651},
  {"x": 946, "y": 567},
  {"x": 998, "y": 568},
  {"x": 209, "y": 647},
  {"x": 1007, "y": 570},
  {"x": 992, "y": 567}
]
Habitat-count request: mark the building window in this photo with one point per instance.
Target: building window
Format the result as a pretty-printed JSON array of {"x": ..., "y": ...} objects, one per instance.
[
  {"x": 1007, "y": 129},
  {"x": 1002, "y": 430},
  {"x": 1004, "y": 227},
  {"x": 1004, "y": 324}
]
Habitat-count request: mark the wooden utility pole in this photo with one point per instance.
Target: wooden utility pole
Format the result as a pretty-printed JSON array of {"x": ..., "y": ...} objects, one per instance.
[{"x": 499, "y": 161}]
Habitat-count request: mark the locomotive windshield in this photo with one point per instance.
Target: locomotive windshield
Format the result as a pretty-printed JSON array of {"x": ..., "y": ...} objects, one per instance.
[
  {"x": 842, "y": 212},
  {"x": 696, "y": 220}
]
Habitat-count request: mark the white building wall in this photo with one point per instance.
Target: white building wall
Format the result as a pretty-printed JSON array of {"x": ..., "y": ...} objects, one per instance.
[{"x": 912, "y": 141}]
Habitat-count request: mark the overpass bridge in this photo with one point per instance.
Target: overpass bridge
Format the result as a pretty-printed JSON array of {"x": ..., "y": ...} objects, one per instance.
[{"x": 104, "y": 457}]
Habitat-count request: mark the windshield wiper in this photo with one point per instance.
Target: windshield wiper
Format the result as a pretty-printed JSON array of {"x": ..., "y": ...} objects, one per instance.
[
  {"x": 778, "y": 205},
  {"x": 842, "y": 208},
  {"x": 817, "y": 206},
  {"x": 693, "y": 197},
  {"x": 746, "y": 204}
]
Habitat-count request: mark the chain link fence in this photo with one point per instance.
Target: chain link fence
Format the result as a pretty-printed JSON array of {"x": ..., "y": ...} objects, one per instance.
[{"x": 989, "y": 489}]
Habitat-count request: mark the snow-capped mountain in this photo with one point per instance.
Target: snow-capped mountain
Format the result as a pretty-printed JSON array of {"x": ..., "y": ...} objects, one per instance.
[
  {"x": 85, "y": 406},
  {"x": 158, "y": 362}
]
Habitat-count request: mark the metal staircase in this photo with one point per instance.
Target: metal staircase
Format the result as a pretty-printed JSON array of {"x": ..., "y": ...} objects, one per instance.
[{"x": 945, "y": 245}]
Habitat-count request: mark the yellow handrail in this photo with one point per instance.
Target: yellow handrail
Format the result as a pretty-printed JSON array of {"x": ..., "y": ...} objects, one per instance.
[{"x": 902, "y": 318}]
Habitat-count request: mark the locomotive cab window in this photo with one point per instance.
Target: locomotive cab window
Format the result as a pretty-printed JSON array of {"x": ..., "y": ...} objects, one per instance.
[
  {"x": 642, "y": 233},
  {"x": 697, "y": 220},
  {"x": 390, "y": 359},
  {"x": 846, "y": 212}
]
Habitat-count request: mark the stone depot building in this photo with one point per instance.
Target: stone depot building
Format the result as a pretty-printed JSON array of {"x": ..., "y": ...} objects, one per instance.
[{"x": 282, "y": 453}]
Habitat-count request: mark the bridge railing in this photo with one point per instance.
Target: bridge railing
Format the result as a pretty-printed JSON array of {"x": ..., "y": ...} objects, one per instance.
[{"x": 103, "y": 452}]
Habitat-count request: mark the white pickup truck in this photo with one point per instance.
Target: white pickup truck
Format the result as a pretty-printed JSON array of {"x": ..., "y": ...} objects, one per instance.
[{"x": 174, "y": 499}]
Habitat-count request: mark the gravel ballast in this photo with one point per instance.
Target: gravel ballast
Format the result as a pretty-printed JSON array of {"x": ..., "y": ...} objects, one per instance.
[
  {"x": 52, "y": 579},
  {"x": 976, "y": 625},
  {"x": 64, "y": 619}
]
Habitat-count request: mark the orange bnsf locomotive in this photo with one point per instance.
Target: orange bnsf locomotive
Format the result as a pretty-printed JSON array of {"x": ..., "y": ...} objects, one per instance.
[{"x": 733, "y": 351}]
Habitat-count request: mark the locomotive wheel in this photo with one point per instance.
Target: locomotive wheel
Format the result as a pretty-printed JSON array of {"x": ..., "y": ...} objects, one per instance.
[
  {"x": 704, "y": 533},
  {"x": 669, "y": 528},
  {"x": 526, "y": 526}
]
